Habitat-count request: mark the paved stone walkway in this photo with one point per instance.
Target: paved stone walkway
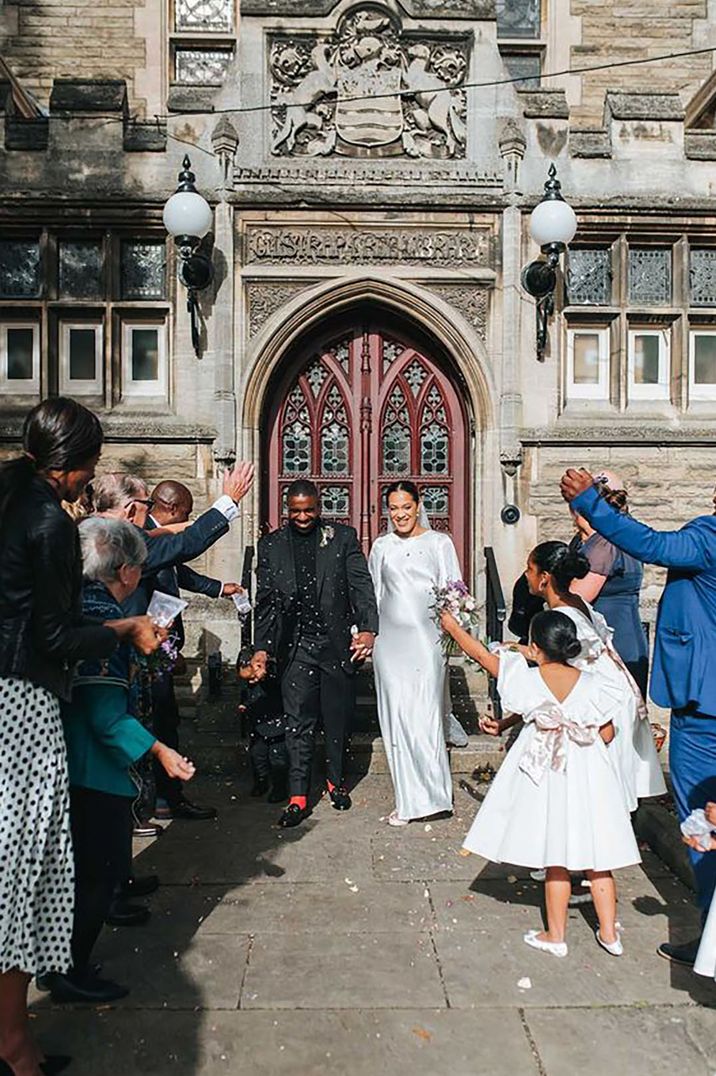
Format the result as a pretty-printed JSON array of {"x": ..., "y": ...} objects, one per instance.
[{"x": 348, "y": 947}]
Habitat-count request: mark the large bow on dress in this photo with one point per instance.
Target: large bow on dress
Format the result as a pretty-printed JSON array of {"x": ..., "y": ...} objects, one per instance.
[{"x": 548, "y": 749}]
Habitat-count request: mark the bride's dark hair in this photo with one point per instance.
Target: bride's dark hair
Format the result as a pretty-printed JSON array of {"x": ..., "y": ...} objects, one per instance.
[{"x": 403, "y": 486}]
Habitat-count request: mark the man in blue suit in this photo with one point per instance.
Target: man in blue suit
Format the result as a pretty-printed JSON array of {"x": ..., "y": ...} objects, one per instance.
[
  {"x": 684, "y": 673},
  {"x": 172, "y": 503}
]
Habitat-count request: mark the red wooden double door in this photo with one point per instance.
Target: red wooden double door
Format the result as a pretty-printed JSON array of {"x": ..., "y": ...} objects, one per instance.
[{"x": 357, "y": 409}]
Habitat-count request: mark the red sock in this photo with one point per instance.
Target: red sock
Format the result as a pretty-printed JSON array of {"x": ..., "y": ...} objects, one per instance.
[
  {"x": 331, "y": 786},
  {"x": 300, "y": 801}
]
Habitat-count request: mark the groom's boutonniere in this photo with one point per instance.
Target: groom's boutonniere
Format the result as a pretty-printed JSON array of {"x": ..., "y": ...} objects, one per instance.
[{"x": 327, "y": 535}]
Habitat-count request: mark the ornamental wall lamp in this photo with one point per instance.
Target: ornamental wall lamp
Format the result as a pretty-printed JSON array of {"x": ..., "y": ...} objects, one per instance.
[
  {"x": 188, "y": 218},
  {"x": 552, "y": 226}
]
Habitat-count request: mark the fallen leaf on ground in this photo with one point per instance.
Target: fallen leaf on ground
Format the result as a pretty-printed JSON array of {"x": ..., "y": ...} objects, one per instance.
[{"x": 422, "y": 1034}]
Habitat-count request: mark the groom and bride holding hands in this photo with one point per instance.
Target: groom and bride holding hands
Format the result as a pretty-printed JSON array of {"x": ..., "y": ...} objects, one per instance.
[{"x": 319, "y": 605}]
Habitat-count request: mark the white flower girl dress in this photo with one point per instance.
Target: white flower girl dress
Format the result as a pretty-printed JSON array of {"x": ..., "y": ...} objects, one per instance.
[{"x": 556, "y": 799}]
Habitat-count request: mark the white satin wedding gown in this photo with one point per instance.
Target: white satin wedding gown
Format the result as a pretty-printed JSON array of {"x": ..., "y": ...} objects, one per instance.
[{"x": 410, "y": 667}]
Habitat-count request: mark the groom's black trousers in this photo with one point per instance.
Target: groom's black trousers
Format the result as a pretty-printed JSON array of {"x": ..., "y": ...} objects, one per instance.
[{"x": 314, "y": 687}]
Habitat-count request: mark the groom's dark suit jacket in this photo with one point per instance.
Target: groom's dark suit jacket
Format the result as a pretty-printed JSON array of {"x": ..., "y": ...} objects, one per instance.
[{"x": 345, "y": 592}]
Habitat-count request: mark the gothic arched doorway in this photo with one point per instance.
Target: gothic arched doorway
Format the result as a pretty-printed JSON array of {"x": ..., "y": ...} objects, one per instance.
[{"x": 358, "y": 406}]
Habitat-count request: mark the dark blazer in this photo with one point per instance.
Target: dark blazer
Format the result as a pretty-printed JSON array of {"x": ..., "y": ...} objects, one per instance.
[
  {"x": 345, "y": 592},
  {"x": 170, "y": 579},
  {"x": 684, "y": 673},
  {"x": 172, "y": 550},
  {"x": 43, "y": 632}
]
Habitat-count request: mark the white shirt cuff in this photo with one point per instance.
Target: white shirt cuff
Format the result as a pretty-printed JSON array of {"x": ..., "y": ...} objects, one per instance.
[{"x": 227, "y": 507}]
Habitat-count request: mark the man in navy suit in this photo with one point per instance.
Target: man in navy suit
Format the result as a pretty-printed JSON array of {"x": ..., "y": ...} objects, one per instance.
[{"x": 684, "y": 673}]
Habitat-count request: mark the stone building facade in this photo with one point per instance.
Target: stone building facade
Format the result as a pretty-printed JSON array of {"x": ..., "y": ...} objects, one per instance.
[{"x": 371, "y": 174}]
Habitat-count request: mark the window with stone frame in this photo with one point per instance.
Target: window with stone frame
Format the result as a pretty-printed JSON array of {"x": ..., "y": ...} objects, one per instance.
[
  {"x": 86, "y": 314},
  {"x": 202, "y": 41},
  {"x": 520, "y": 30},
  {"x": 651, "y": 303}
]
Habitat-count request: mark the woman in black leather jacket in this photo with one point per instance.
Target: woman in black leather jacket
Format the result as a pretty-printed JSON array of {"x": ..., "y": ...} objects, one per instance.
[{"x": 42, "y": 635}]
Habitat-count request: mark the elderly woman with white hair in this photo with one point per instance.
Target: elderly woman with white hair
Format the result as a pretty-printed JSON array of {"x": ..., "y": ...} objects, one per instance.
[{"x": 103, "y": 742}]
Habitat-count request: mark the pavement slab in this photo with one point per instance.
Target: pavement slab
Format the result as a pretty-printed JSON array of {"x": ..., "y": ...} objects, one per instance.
[{"x": 346, "y": 945}]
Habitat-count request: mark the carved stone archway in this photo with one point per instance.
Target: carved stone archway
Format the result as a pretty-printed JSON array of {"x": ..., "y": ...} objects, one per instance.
[{"x": 427, "y": 316}]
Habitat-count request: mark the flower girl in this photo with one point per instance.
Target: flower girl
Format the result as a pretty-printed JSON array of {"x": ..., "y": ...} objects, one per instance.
[{"x": 556, "y": 802}]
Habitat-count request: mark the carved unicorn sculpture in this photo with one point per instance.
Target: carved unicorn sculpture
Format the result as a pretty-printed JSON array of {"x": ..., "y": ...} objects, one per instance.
[
  {"x": 300, "y": 100},
  {"x": 437, "y": 109}
]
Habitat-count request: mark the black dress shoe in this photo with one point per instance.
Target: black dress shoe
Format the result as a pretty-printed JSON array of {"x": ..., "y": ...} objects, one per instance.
[
  {"x": 88, "y": 988},
  {"x": 340, "y": 798},
  {"x": 140, "y": 887},
  {"x": 261, "y": 785},
  {"x": 42, "y": 982},
  {"x": 190, "y": 811},
  {"x": 680, "y": 954},
  {"x": 122, "y": 914},
  {"x": 292, "y": 816}
]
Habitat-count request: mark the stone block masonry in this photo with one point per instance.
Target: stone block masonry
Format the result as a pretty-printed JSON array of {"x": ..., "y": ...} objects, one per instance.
[
  {"x": 616, "y": 30},
  {"x": 48, "y": 39}
]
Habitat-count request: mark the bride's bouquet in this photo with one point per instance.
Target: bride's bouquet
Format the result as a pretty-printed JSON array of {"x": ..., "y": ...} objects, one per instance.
[{"x": 456, "y": 599}]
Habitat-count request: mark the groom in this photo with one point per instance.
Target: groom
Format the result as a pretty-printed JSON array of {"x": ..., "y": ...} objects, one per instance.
[{"x": 316, "y": 615}]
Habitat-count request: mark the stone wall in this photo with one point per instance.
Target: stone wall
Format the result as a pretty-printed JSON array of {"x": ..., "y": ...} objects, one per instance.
[
  {"x": 46, "y": 39},
  {"x": 616, "y": 30}
]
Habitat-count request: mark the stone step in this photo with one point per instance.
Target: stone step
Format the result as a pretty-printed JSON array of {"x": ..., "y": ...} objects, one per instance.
[{"x": 223, "y": 754}]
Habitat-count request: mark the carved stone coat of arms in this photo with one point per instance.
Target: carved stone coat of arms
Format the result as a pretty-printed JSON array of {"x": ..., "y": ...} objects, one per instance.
[{"x": 368, "y": 91}]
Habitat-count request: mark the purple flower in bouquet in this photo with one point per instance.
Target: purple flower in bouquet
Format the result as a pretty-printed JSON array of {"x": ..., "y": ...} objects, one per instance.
[
  {"x": 162, "y": 661},
  {"x": 456, "y": 599}
]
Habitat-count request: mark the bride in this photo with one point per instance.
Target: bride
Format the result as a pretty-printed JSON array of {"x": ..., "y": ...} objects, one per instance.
[{"x": 410, "y": 667}]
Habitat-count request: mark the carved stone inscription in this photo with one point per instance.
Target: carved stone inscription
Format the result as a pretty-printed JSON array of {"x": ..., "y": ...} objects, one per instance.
[
  {"x": 271, "y": 245},
  {"x": 368, "y": 90}
]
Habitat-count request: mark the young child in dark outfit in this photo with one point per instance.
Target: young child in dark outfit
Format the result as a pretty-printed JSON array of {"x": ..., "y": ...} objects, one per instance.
[{"x": 262, "y": 705}]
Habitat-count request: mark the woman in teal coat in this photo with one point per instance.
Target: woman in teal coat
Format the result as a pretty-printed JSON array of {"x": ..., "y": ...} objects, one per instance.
[{"x": 104, "y": 741}]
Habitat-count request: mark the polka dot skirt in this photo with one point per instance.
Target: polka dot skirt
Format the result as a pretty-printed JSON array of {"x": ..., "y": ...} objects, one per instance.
[{"x": 36, "y": 866}]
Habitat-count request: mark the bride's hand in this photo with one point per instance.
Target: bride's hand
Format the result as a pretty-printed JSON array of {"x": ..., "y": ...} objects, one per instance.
[{"x": 448, "y": 623}]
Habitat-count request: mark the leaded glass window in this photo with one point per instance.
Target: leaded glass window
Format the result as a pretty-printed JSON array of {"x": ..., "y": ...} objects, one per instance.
[
  {"x": 334, "y": 434},
  {"x": 201, "y": 67},
  {"x": 296, "y": 448},
  {"x": 315, "y": 376},
  {"x": 433, "y": 449},
  {"x": 334, "y": 449},
  {"x": 702, "y": 274},
  {"x": 341, "y": 352},
  {"x": 589, "y": 277},
  {"x": 216, "y": 16},
  {"x": 335, "y": 501},
  {"x": 649, "y": 277},
  {"x": 396, "y": 435},
  {"x": 143, "y": 269},
  {"x": 19, "y": 268},
  {"x": 415, "y": 376},
  {"x": 391, "y": 350},
  {"x": 519, "y": 18},
  {"x": 436, "y": 500},
  {"x": 81, "y": 269}
]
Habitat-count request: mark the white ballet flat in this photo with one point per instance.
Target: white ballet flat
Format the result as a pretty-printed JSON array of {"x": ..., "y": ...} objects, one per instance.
[
  {"x": 394, "y": 819},
  {"x": 538, "y": 876},
  {"x": 614, "y": 948},
  {"x": 555, "y": 948}
]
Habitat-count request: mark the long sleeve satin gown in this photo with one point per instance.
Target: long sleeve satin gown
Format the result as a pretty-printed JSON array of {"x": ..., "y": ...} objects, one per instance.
[{"x": 410, "y": 667}]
